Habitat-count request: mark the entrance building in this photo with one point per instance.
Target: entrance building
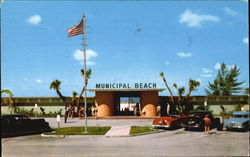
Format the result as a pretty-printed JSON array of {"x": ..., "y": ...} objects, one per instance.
[{"x": 110, "y": 102}]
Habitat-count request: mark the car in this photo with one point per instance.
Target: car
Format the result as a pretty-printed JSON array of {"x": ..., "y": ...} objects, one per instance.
[
  {"x": 20, "y": 124},
  {"x": 168, "y": 122},
  {"x": 195, "y": 121},
  {"x": 238, "y": 121}
]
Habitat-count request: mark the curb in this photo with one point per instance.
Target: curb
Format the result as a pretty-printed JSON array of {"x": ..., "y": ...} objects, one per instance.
[
  {"x": 64, "y": 136},
  {"x": 139, "y": 134},
  {"x": 146, "y": 133},
  {"x": 58, "y": 136}
]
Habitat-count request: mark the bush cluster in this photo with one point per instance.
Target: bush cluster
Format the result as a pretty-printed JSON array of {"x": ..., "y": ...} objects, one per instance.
[{"x": 33, "y": 113}]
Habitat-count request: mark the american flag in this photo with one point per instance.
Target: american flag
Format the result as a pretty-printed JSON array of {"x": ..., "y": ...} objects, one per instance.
[{"x": 76, "y": 30}]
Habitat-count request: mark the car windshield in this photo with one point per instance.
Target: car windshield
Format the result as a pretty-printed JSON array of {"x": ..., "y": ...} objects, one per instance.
[{"x": 240, "y": 116}]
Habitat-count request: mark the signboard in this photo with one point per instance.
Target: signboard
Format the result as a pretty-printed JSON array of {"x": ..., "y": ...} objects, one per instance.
[
  {"x": 58, "y": 118},
  {"x": 126, "y": 86}
]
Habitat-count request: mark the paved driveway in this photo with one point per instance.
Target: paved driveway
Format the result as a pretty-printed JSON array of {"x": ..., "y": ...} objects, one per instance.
[{"x": 168, "y": 143}]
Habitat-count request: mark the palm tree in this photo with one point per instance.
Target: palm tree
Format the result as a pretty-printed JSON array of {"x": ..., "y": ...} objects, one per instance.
[
  {"x": 88, "y": 74},
  {"x": 172, "y": 103},
  {"x": 183, "y": 103},
  {"x": 165, "y": 81},
  {"x": 74, "y": 99},
  {"x": 180, "y": 91},
  {"x": 13, "y": 109},
  {"x": 55, "y": 85},
  {"x": 10, "y": 94},
  {"x": 192, "y": 86}
]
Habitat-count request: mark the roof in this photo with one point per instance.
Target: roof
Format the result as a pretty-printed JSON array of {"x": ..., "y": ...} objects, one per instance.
[{"x": 127, "y": 90}]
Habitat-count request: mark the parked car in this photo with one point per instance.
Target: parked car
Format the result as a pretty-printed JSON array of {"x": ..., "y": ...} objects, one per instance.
[
  {"x": 19, "y": 124},
  {"x": 168, "y": 122},
  {"x": 195, "y": 121},
  {"x": 238, "y": 120}
]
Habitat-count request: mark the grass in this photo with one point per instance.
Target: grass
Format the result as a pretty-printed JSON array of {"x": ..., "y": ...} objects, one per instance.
[
  {"x": 92, "y": 130},
  {"x": 141, "y": 129}
]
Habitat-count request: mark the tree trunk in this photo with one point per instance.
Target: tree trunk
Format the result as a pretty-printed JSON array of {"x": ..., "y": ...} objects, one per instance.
[
  {"x": 62, "y": 97},
  {"x": 170, "y": 92},
  {"x": 172, "y": 104},
  {"x": 80, "y": 96}
]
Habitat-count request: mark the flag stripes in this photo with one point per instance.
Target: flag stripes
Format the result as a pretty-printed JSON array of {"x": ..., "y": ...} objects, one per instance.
[{"x": 76, "y": 30}]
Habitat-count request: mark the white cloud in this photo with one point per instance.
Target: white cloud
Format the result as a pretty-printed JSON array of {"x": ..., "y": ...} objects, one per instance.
[
  {"x": 217, "y": 66},
  {"x": 196, "y": 20},
  {"x": 39, "y": 81},
  {"x": 205, "y": 70},
  {"x": 78, "y": 55},
  {"x": 34, "y": 20},
  {"x": 206, "y": 75},
  {"x": 231, "y": 66},
  {"x": 90, "y": 54},
  {"x": 167, "y": 62},
  {"x": 184, "y": 54},
  {"x": 245, "y": 40},
  {"x": 230, "y": 12}
]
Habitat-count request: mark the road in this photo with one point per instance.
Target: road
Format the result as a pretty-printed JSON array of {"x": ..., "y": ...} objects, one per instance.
[{"x": 168, "y": 143}]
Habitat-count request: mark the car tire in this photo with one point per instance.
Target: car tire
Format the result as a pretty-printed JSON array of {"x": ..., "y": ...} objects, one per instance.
[{"x": 220, "y": 127}]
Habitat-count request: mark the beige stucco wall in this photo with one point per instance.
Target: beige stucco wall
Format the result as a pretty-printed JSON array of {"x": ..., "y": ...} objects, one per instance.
[
  {"x": 149, "y": 102},
  {"x": 105, "y": 103}
]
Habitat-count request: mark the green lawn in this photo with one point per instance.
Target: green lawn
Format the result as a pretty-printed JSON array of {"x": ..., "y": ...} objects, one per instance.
[
  {"x": 92, "y": 130},
  {"x": 141, "y": 129}
]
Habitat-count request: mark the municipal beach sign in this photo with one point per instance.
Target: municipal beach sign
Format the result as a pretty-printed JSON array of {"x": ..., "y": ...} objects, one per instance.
[{"x": 126, "y": 86}]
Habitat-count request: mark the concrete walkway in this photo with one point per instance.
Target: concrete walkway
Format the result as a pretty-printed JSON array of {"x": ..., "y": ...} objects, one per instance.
[{"x": 117, "y": 131}]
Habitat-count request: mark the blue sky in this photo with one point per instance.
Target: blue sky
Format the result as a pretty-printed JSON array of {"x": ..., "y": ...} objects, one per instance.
[{"x": 128, "y": 42}]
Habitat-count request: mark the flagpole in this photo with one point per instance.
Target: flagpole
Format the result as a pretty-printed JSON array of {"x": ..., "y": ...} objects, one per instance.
[{"x": 85, "y": 70}]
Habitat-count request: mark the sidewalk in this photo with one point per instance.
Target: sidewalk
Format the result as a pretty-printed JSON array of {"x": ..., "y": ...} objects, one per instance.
[{"x": 117, "y": 131}]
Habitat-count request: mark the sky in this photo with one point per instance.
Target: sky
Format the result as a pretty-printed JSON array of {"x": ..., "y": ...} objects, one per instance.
[{"x": 127, "y": 42}]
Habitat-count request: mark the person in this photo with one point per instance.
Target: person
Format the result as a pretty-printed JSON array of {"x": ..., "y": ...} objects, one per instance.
[
  {"x": 207, "y": 124},
  {"x": 96, "y": 111},
  {"x": 158, "y": 110},
  {"x": 137, "y": 109},
  {"x": 72, "y": 111},
  {"x": 93, "y": 110},
  {"x": 66, "y": 114},
  {"x": 81, "y": 110}
]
